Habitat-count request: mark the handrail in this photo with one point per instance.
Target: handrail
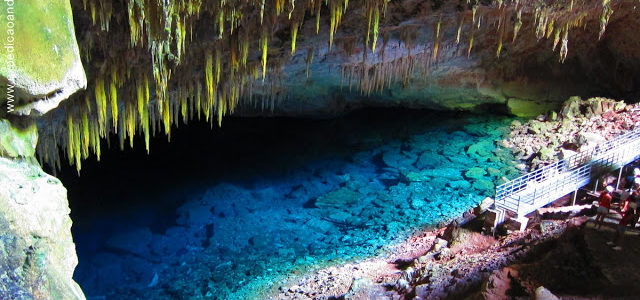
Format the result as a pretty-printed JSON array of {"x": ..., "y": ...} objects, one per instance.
[{"x": 568, "y": 172}]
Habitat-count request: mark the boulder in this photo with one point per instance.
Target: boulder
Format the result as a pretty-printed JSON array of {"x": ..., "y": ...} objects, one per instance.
[
  {"x": 590, "y": 138},
  {"x": 543, "y": 294},
  {"x": 36, "y": 248},
  {"x": 493, "y": 172},
  {"x": 546, "y": 153},
  {"x": 484, "y": 205},
  {"x": 44, "y": 67},
  {"x": 571, "y": 108},
  {"x": 397, "y": 159},
  {"x": 319, "y": 225}
]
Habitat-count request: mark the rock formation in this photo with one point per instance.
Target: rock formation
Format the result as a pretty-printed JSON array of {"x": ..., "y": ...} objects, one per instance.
[
  {"x": 40, "y": 67},
  {"x": 40, "y": 59},
  {"x": 155, "y": 65},
  {"x": 579, "y": 125},
  {"x": 36, "y": 249}
]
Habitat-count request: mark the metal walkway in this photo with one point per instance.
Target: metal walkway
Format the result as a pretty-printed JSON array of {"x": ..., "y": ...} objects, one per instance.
[{"x": 536, "y": 189}]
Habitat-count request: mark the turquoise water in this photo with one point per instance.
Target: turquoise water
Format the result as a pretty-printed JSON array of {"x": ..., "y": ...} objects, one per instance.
[{"x": 231, "y": 214}]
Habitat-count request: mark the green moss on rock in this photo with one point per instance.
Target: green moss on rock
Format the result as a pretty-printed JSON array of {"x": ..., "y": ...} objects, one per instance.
[
  {"x": 44, "y": 39},
  {"x": 17, "y": 142},
  {"x": 40, "y": 56},
  {"x": 528, "y": 108}
]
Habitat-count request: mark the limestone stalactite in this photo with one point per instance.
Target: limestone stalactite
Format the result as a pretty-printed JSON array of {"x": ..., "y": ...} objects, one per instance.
[{"x": 226, "y": 45}]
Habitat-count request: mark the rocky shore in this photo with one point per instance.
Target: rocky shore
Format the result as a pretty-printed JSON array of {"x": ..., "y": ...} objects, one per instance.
[
  {"x": 560, "y": 255},
  {"x": 462, "y": 263},
  {"x": 580, "y": 124}
]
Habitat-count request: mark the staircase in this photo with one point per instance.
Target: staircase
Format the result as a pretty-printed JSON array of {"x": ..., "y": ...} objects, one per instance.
[{"x": 538, "y": 188}]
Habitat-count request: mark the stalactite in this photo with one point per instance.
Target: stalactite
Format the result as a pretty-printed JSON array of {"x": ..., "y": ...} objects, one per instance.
[
  {"x": 209, "y": 82},
  {"x": 101, "y": 103},
  {"x": 376, "y": 24},
  {"x": 517, "y": 25},
  {"x": 607, "y": 11},
  {"x": 318, "y": 6},
  {"x": 309, "y": 60},
  {"x": 164, "y": 31},
  {"x": 113, "y": 99},
  {"x": 459, "y": 30},
  {"x": 85, "y": 134},
  {"x": 564, "y": 49},
  {"x": 198, "y": 98},
  {"x": 436, "y": 42},
  {"x": 70, "y": 139},
  {"x": 264, "y": 45},
  {"x": 294, "y": 35}
]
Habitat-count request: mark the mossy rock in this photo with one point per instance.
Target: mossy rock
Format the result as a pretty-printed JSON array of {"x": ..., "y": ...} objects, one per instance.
[
  {"x": 43, "y": 63},
  {"x": 571, "y": 107},
  {"x": 17, "y": 142},
  {"x": 528, "y": 108},
  {"x": 547, "y": 153}
]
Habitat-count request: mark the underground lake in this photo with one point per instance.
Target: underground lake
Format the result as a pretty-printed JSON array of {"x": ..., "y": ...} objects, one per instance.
[{"x": 232, "y": 211}]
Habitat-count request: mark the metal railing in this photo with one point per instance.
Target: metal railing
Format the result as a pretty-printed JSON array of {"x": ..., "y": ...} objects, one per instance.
[{"x": 542, "y": 186}]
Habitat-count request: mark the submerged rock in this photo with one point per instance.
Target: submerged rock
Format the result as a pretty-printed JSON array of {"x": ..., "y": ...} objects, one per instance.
[
  {"x": 338, "y": 198},
  {"x": 484, "y": 185},
  {"x": 481, "y": 149},
  {"x": 426, "y": 175},
  {"x": 475, "y": 173}
]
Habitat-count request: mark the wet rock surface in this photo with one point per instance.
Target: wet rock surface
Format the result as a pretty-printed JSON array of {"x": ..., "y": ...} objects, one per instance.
[{"x": 37, "y": 253}]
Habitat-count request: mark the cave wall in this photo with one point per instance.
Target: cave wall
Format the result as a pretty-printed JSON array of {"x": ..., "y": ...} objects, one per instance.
[
  {"x": 527, "y": 78},
  {"x": 40, "y": 59},
  {"x": 39, "y": 67},
  {"x": 37, "y": 253}
]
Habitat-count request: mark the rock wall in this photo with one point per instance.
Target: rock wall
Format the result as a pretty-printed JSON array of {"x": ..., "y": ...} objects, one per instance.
[
  {"x": 37, "y": 253},
  {"x": 40, "y": 59}
]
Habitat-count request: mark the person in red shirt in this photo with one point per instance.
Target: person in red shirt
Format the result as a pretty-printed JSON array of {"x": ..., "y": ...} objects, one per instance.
[
  {"x": 604, "y": 203},
  {"x": 629, "y": 219}
]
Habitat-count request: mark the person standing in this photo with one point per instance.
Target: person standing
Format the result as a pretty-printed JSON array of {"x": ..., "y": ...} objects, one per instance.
[
  {"x": 628, "y": 219},
  {"x": 604, "y": 203}
]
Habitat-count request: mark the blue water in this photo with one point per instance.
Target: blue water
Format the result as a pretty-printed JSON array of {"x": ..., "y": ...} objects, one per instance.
[{"x": 227, "y": 213}]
